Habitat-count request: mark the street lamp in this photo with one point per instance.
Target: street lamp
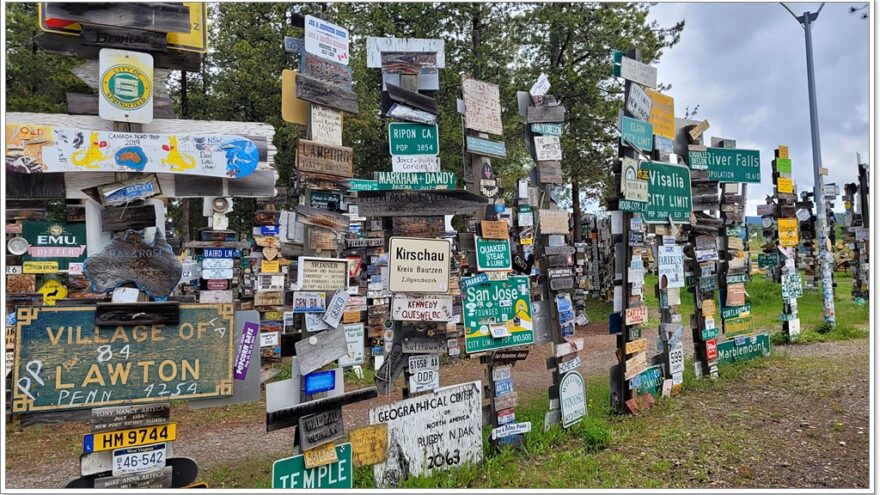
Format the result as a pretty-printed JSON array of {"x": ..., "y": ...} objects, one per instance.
[{"x": 806, "y": 21}]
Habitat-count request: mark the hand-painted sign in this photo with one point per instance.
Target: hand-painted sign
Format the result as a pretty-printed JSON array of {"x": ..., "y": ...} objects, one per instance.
[
  {"x": 65, "y": 361},
  {"x": 728, "y": 164},
  {"x": 413, "y": 139},
  {"x": 669, "y": 193},
  {"x": 32, "y": 148},
  {"x": 415, "y": 180},
  {"x": 421, "y": 308},
  {"x": 548, "y": 148},
  {"x": 742, "y": 348},
  {"x": 320, "y": 428},
  {"x": 319, "y": 158},
  {"x": 322, "y": 274},
  {"x": 415, "y": 163},
  {"x": 482, "y": 107},
  {"x": 291, "y": 472},
  {"x": 505, "y": 303},
  {"x": 126, "y": 86},
  {"x": 637, "y": 133},
  {"x": 493, "y": 254},
  {"x": 572, "y": 398},
  {"x": 326, "y": 40},
  {"x": 420, "y": 442},
  {"x": 63, "y": 243},
  {"x": 418, "y": 265},
  {"x": 369, "y": 444}
]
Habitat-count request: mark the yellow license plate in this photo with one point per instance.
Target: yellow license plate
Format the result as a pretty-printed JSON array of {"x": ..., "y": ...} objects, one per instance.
[{"x": 109, "y": 440}]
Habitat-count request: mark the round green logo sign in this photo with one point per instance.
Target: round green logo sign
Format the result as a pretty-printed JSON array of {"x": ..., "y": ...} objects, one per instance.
[{"x": 126, "y": 87}]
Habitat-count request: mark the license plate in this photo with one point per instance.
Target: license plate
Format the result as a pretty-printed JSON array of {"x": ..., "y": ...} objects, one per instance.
[
  {"x": 111, "y": 440},
  {"x": 138, "y": 459}
]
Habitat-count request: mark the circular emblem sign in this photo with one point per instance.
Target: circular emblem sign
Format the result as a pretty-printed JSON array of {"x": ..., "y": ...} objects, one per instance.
[{"x": 126, "y": 87}]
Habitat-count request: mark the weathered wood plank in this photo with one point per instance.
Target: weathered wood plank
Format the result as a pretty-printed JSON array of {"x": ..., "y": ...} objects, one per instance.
[
  {"x": 155, "y": 16},
  {"x": 71, "y": 46},
  {"x": 124, "y": 39},
  {"x": 81, "y": 104},
  {"x": 324, "y": 158},
  {"x": 418, "y": 203},
  {"x": 546, "y": 113},
  {"x": 120, "y": 218},
  {"x": 412, "y": 99},
  {"x": 408, "y": 62},
  {"x": 35, "y": 186},
  {"x": 137, "y": 313},
  {"x": 326, "y": 70},
  {"x": 325, "y": 93},
  {"x": 286, "y": 418}
]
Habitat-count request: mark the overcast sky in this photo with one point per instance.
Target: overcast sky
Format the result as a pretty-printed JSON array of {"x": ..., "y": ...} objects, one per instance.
[{"x": 745, "y": 65}]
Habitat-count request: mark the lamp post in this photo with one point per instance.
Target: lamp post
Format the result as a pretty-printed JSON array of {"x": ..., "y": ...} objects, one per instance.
[{"x": 806, "y": 21}]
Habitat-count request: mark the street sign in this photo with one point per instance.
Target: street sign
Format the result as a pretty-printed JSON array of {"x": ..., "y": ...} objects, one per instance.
[
  {"x": 742, "y": 348},
  {"x": 126, "y": 86},
  {"x": 493, "y": 254},
  {"x": 728, "y": 164},
  {"x": 406, "y": 138},
  {"x": 485, "y": 147},
  {"x": 52, "y": 290},
  {"x": 669, "y": 193},
  {"x": 505, "y": 303},
  {"x": 636, "y": 133},
  {"x": 291, "y": 472},
  {"x": 415, "y": 180}
]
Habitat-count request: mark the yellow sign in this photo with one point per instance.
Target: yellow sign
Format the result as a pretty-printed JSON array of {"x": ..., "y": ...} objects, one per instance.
[
  {"x": 267, "y": 266},
  {"x": 788, "y": 233},
  {"x": 708, "y": 308},
  {"x": 320, "y": 455},
  {"x": 369, "y": 445},
  {"x": 196, "y": 40},
  {"x": 40, "y": 267},
  {"x": 784, "y": 185},
  {"x": 662, "y": 114},
  {"x": 110, "y": 440},
  {"x": 783, "y": 152},
  {"x": 293, "y": 109},
  {"x": 53, "y": 290}
]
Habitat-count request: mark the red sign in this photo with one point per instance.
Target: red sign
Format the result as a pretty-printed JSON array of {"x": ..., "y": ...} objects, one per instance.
[
  {"x": 218, "y": 284},
  {"x": 711, "y": 349}
]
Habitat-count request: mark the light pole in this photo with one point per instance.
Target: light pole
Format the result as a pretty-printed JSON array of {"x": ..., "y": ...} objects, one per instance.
[{"x": 806, "y": 21}]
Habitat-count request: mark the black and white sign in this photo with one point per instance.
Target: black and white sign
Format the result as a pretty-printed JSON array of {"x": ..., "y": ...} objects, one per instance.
[{"x": 424, "y": 372}]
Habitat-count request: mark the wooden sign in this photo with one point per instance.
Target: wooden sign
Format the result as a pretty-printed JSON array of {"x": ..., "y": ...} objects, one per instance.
[
  {"x": 412, "y": 99},
  {"x": 58, "y": 370},
  {"x": 423, "y": 337},
  {"x": 326, "y": 70},
  {"x": 698, "y": 130},
  {"x": 736, "y": 295},
  {"x": 377, "y": 46},
  {"x": 418, "y": 265},
  {"x": 634, "y": 346},
  {"x": 293, "y": 109},
  {"x": 546, "y": 114},
  {"x": 322, "y": 240},
  {"x": 120, "y": 218},
  {"x": 160, "y": 478},
  {"x": 130, "y": 190},
  {"x": 422, "y": 308},
  {"x": 45, "y": 148},
  {"x": 637, "y": 315},
  {"x": 321, "y": 349},
  {"x": 324, "y": 93},
  {"x": 369, "y": 444},
  {"x": 403, "y": 112},
  {"x": 553, "y": 221},
  {"x": 320, "y": 456},
  {"x": 426, "y": 227},
  {"x": 494, "y": 229},
  {"x": 482, "y": 107},
  {"x": 322, "y": 274},
  {"x": 413, "y": 438},
  {"x": 152, "y": 267},
  {"x": 325, "y": 125},
  {"x": 427, "y": 203},
  {"x": 321, "y": 218},
  {"x": 410, "y": 63},
  {"x": 548, "y": 148},
  {"x": 320, "y": 428},
  {"x": 323, "y": 159}
]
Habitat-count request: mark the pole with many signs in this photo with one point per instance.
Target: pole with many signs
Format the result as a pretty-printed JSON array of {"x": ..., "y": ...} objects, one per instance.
[{"x": 787, "y": 228}]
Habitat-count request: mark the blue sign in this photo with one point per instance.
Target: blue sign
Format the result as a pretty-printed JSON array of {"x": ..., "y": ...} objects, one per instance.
[
  {"x": 221, "y": 253},
  {"x": 464, "y": 283},
  {"x": 89, "y": 443},
  {"x": 319, "y": 381},
  {"x": 503, "y": 387},
  {"x": 269, "y": 230},
  {"x": 479, "y": 146},
  {"x": 637, "y": 133}
]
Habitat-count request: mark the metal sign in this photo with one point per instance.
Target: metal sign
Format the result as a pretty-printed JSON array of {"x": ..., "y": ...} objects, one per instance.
[
  {"x": 61, "y": 243},
  {"x": 421, "y": 442},
  {"x": 407, "y": 138},
  {"x": 728, "y": 164},
  {"x": 125, "y": 91},
  {"x": 636, "y": 133},
  {"x": 195, "y": 358},
  {"x": 415, "y": 180},
  {"x": 291, "y": 472},
  {"x": 662, "y": 115},
  {"x": 110, "y": 440},
  {"x": 742, "y": 348},
  {"x": 493, "y": 254},
  {"x": 326, "y": 40},
  {"x": 322, "y": 274},
  {"x": 506, "y": 303},
  {"x": 152, "y": 267},
  {"x": 638, "y": 103},
  {"x": 485, "y": 147},
  {"x": 669, "y": 193},
  {"x": 424, "y": 373},
  {"x": 572, "y": 398},
  {"x": 369, "y": 444},
  {"x": 633, "y": 70},
  {"x": 354, "y": 339},
  {"x": 418, "y": 265}
]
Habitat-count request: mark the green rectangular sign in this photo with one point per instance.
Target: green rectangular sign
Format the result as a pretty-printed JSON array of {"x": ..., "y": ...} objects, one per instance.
[
  {"x": 768, "y": 260},
  {"x": 743, "y": 348},
  {"x": 728, "y": 164},
  {"x": 55, "y": 241},
  {"x": 480, "y": 146},
  {"x": 506, "y": 303},
  {"x": 291, "y": 472},
  {"x": 669, "y": 193},
  {"x": 63, "y": 360},
  {"x": 738, "y": 326},
  {"x": 638, "y": 133},
  {"x": 493, "y": 254},
  {"x": 737, "y": 279},
  {"x": 735, "y": 311},
  {"x": 649, "y": 381},
  {"x": 783, "y": 165},
  {"x": 406, "y": 138},
  {"x": 709, "y": 333},
  {"x": 362, "y": 185},
  {"x": 415, "y": 180},
  {"x": 547, "y": 129}
]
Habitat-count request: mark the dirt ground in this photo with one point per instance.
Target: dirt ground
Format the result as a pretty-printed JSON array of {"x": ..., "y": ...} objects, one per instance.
[{"x": 800, "y": 414}]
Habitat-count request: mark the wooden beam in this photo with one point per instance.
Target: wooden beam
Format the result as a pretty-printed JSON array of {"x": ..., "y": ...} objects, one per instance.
[
  {"x": 167, "y": 313},
  {"x": 285, "y": 418},
  {"x": 71, "y": 46},
  {"x": 325, "y": 93},
  {"x": 123, "y": 39},
  {"x": 120, "y": 218},
  {"x": 546, "y": 113},
  {"x": 412, "y": 99},
  {"x": 81, "y": 104}
]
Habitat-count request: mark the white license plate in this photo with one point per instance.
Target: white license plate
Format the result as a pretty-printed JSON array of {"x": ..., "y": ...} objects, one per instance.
[{"x": 138, "y": 459}]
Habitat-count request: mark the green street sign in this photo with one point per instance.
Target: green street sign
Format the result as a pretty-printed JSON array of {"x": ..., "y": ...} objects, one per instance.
[
  {"x": 363, "y": 185},
  {"x": 783, "y": 165},
  {"x": 493, "y": 254},
  {"x": 405, "y": 138},
  {"x": 709, "y": 333},
  {"x": 669, "y": 193},
  {"x": 496, "y": 304},
  {"x": 728, "y": 164},
  {"x": 737, "y": 279},
  {"x": 547, "y": 129},
  {"x": 737, "y": 326},
  {"x": 415, "y": 180},
  {"x": 735, "y": 311},
  {"x": 291, "y": 472},
  {"x": 768, "y": 260},
  {"x": 649, "y": 381},
  {"x": 638, "y": 133},
  {"x": 485, "y": 147},
  {"x": 743, "y": 348}
]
